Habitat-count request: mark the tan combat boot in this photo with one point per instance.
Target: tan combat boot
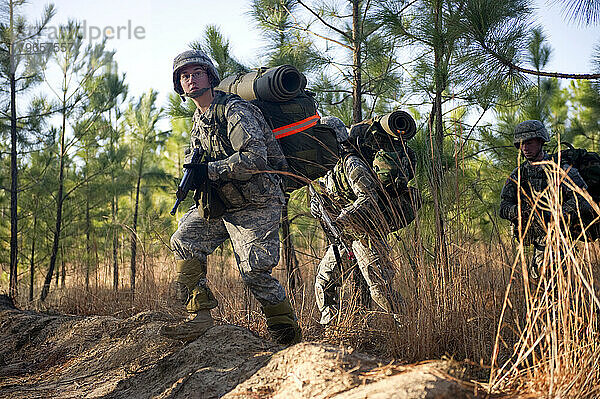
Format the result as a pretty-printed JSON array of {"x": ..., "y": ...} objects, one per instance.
[{"x": 189, "y": 330}]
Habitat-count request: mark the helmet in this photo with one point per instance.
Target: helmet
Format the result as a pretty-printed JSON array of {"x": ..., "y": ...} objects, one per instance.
[
  {"x": 193, "y": 57},
  {"x": 341, "y": 133},
  {"x": 530, "y": 130}
]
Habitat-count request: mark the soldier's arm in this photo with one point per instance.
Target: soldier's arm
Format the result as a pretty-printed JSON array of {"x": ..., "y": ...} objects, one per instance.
[
  {"x": 508, "y": 198},
  {"x": 247, "y": 132},
  {"x": 363, "y": 185}
]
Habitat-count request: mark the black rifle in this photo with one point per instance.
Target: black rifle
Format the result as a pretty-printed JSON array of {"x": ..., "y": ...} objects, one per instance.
[{"x": 186, "y": 181}]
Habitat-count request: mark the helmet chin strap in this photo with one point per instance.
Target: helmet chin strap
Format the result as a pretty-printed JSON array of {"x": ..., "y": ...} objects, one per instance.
[{"x": 197, "y": 93}]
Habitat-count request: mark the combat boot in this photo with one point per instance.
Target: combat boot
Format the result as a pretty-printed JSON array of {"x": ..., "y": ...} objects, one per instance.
[
  {"x": 282, "y": 323},
  {"x": 189, "y": 330}
]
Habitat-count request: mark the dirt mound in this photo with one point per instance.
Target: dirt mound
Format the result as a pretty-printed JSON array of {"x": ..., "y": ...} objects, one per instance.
[{"x": 60, "y": 356}]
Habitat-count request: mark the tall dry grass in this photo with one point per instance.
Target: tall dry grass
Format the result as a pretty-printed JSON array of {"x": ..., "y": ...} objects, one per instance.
[{"x": 557, "y": 353}]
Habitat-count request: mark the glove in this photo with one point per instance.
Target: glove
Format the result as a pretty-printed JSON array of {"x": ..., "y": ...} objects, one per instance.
[
  {"x": 199, "y": 173},
  {"x": 315, "y": 208}
]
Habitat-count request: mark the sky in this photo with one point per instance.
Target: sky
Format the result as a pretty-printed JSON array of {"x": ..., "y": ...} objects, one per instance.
[{"x": 153, "y": 32}]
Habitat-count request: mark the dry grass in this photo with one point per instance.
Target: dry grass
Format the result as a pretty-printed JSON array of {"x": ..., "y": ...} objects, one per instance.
[{"x": 558, "y": 350}]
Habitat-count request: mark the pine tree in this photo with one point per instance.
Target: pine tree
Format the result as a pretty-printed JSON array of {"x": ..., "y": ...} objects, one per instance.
[{"x": 21, "y": 69}]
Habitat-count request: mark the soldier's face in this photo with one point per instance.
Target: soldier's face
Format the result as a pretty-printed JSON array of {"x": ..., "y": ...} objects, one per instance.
[
  {"x": 193, "y": 77},
  {"x": 532, "y": 149}
]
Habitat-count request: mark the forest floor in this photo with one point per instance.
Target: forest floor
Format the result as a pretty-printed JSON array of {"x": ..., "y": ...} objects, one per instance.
[{"x": 45, "y": 355}]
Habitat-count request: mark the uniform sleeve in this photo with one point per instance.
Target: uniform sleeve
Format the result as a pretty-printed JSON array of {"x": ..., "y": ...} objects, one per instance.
[
  {"x": 363, "y": 185},
  {"x": 246, "y": 129},
  {"x": 508, "y": 198}
]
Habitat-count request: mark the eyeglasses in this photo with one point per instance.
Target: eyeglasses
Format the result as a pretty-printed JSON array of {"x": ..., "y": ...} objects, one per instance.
[{"x": 187, "y": 77}]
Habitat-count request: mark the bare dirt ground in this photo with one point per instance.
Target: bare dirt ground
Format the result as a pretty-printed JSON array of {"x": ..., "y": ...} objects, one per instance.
[{"x": 58, "y": 356}]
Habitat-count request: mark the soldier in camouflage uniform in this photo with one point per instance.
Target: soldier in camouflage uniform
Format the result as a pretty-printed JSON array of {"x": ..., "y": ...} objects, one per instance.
[
  {"x": 240, "y": 150},
  {"x": 353, "y": 185},
  {"x": 530, "y": 137}
]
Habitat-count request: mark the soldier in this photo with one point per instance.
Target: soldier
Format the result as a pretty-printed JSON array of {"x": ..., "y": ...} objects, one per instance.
[
  {"x": 354, "y": 187},
  {"x": 530, "y": 137},
  {"x": 244, "y": 203}
]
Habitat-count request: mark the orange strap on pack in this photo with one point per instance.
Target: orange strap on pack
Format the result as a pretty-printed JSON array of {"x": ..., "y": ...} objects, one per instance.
[{"x": 296, "y": 127}]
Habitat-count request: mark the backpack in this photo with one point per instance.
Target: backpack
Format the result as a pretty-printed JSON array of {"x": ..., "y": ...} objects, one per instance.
[
  {"x": 310, "y": 148},
  {"x": 392, "y": 160},
  {"x": 588, "y": 165}
]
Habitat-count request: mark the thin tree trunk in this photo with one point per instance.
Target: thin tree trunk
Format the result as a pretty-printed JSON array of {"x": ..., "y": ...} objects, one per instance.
[
  {"x": 59, "y": 206},
  {"x": 63, "y": 273},
  {"x": 357, "y": 64},
  {"x": 134, "y": 229},
  {"x": 115, "y": 245},
  {"x": 436, "y": 125},
  {"x": 13, "y": 289},
  {"x": 87, "y": 242},
  {"x": 32, "y": 260}
]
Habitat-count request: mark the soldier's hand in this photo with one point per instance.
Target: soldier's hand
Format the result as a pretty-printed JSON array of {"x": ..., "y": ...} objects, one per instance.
[{"x": 199, "y": 173}]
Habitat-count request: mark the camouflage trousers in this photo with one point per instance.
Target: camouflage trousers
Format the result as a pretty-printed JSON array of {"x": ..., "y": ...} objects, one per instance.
[
  {"x": 377, "y": 272},
  {"x": 254, "y": 234}
]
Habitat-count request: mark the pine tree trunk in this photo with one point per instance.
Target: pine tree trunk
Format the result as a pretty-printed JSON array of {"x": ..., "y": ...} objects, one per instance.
[
  {"x": 87, "y": 243},
  {"x": 115, "y": 245},
  {"x": 134, "y": 228},
  {"x": 436, "y": 127},
  {"x": 59, "y": 208},
  {"x": 32, "y": 260},
  {"x": 357, "y": 64},
  {"x": 63, "y": 274},
  {"x": 13, "y": 288}
]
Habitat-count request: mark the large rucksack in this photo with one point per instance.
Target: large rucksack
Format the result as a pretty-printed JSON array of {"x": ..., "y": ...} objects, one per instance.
[
  {"x": 390, "y": 157},
  {"x": 310, "y": 148},
  {"x": 382, "y": 144},
  {"x": 588, "y": 165}
]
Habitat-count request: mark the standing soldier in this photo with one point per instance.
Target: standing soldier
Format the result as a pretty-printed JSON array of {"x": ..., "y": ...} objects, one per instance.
[
  {"x": 243, "y": 203},
  {"x": 530, "y": 137},
  {"x": 353, "y": 186}
]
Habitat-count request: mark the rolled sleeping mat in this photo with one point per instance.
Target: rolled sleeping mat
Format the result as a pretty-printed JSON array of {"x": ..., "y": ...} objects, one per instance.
[
  {"x": 241, "y": 84},
  {"x": 399, "y": 124},
  {"x": 277, "y": 84}
]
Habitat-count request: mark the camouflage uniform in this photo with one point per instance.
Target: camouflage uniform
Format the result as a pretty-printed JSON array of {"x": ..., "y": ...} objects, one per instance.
[
  {"x": 253, "y": 200},
  {"x": 241, "y": 153},
  {"x": 534, "y": 180},
  {"x": 361, "y": 206}
]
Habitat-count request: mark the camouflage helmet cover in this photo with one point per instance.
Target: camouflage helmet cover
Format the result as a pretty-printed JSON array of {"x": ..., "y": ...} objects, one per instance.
[
  {"x": 530, "y": 130},
  {"x": 341, "y": 133},
  {"x": 191, "y": 57}
]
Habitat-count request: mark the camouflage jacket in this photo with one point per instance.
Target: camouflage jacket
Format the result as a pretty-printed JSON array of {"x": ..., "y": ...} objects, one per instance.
[
  {"x": 241, "y": 150},
  {"x": 533, "y": 180}
]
